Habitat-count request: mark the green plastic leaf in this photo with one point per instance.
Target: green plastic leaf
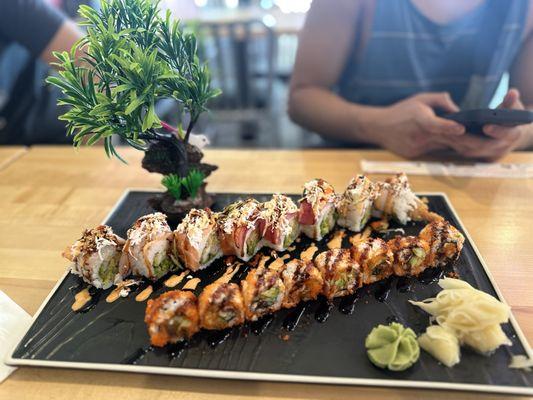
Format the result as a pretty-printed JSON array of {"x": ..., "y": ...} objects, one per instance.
[{"x": 132, "y": 57}]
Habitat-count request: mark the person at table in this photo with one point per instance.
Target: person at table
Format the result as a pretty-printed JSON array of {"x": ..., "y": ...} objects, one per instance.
[
  {"x": 377, "y": 71},
  {"x": 30, "y": 30}
]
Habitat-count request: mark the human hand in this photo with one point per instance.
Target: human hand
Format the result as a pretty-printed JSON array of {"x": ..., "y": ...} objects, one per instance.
[
  {"x": 500, "y": 140},
  {"x": 411, "y": 128}
]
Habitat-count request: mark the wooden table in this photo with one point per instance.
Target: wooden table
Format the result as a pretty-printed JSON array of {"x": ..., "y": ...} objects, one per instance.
[
  {"x": 9, "y": 154},
  {"x": 51, "y": 193}
]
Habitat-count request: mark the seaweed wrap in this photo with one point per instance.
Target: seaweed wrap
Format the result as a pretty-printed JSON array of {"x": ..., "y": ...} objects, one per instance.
[
  {"x": 410, "y": 255},
  {"x": 341, "y": 274},
  {"x": 317, "y": 214},
  {"x": 279, "y": 222},
  {"x": 302, "y": 281},
  {"x": 355, "y": 205},
  {"x": 148, "y": 250},
  {"x": 196, "y": 239},
  {"x": 221, "y": 306},
  {"x": 396, "y": 199},
  {"x": 239, "y": 231},
  {"x": 263, "y": 291},
  {"x": 375, "y": 259},
  {"x": 95, "y": 257},
  {"x": 172, "y": 317},
  {"x": 445, "y": 243}
]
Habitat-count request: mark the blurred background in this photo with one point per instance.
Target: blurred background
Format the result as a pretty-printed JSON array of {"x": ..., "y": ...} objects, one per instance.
[{"x": 250, "y": 46}]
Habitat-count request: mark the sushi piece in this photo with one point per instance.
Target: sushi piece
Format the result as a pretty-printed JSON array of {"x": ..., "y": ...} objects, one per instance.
[
  {"x": 302, "y": 281},
  {"x": 355, "y": 205},
  {"x": 317, "y": 214},
  {"x": 341, "y": 274},
  {"x": 148, "y": 250},
  {"x": 172, "y": 317},
  {"x": 396, "y": 199},
  {"x": 95, "y": 257},
  {"x": 410, "y": 254},
  {"x": 239, "y": 232},
  {"x": 221, "y": 306},
  {"x": 279, "y": 222},
  {"x": 375, "y": 259},
  {"x": 263, "y": 291},
  {"x": 445, "y": 243},
  {"x": 196, "y": 239}
]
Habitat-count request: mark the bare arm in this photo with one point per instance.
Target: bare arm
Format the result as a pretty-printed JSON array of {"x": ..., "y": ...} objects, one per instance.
[
  {"x": 63, "y": 40},
  {"x": 324, "y": 45},
  {"x": 408, "y": 127},
  {"x": 37, "y": 26}
]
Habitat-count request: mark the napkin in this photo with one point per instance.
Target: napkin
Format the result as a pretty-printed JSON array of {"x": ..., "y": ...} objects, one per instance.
[
  {"x": 14, "y": 322},
  {"x": 476, "y": 170}
]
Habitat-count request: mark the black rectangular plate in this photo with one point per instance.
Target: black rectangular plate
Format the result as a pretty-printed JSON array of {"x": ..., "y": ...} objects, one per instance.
[{"x": 113, "y": 335}]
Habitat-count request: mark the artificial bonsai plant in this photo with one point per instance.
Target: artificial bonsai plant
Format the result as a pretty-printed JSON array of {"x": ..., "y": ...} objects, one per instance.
[{"x": 130, "y": 58}]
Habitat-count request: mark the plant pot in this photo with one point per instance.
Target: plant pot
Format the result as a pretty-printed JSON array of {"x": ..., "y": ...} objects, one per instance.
[{"x": 163, "y": 158}]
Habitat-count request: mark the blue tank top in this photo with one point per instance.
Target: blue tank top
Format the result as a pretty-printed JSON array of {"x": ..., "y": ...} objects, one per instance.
[{"x": 406, "y": 53}]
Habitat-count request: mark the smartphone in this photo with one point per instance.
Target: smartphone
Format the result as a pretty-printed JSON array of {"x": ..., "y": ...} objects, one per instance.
[{"x": 474, "y": 120}]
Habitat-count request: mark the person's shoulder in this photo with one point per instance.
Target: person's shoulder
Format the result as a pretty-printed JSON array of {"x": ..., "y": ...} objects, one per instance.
[{"x": 529, "y": 21}]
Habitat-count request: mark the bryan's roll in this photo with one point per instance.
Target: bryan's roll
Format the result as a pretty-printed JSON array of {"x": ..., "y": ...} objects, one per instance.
[
  {"x": 303, "y": 282},
  {"x": 279, "y": 222},
  {"x": 196, "y": 239},
  {"x": 445, "y": 243},
  {"x": 148, "y": 250},
  {"x": 172, "y": 317},
  {"x": 375, "y": 259},
  {"x": 317, "y": 214},
  {"x": 262, "y": 291},
  {"x": 396, "y": 199},
  {"x": 410, "y": 254},
  {"x": 355, "y": 205},
  {"x": 95, "y": 257},
  {"x": 221, "y": 306},
  {"x": 340, "y": 272},
  {"x": 239, "y": 230}
]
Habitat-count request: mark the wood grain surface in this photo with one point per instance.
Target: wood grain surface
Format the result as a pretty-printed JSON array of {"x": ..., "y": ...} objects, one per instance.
[
  {"x": 50, "y": 194},
  {"x": 9, "y": 154}
]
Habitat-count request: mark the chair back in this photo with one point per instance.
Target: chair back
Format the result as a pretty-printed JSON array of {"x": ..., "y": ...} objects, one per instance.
[{"x": 241, "y": 54}]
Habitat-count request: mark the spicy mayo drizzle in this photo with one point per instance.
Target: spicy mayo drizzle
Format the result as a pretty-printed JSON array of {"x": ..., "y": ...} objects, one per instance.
[
  {"x": 81, "y": 298},
  {"x": 142, "y": 296}
]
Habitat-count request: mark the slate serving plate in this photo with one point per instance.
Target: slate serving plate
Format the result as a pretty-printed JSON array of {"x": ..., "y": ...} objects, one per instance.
[{"x": 292, "y": 346}]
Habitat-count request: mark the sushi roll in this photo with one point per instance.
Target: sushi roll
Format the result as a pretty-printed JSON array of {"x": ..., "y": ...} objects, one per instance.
[
  {"x": 396, "y": 199},
  {"x": 375, "y": 259},
  {"x": 196, "y": 239},
  {"x": 317, "y": 214},
  {"x": 410, "y": 254},
  {"x": 341, "y": 274},
  {"x": 95, "y": 257},
  {"x": 445, "y": 243},
  {"x": 172, "y": 317},
  {"x": 355, "y": 205},
  {"x": 302, "y": 282},
  {"x": 239, "y": 232},
  {"x": 221, "y": 306},
  {"x": 279, "y": 222},
  {"x": 148, "y": 250},
  {"x": 263, "y": 292}
]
